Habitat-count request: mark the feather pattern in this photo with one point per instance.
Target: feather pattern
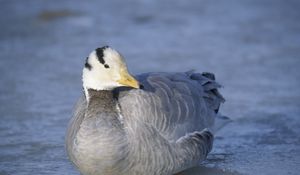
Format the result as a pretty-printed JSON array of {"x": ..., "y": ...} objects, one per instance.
[
  {"x": 173, "y": 103},
  {"x": 163, "y": 128}
]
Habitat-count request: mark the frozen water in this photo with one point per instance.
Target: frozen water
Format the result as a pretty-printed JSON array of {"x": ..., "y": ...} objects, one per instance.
[{"x": 252, "y": 46}]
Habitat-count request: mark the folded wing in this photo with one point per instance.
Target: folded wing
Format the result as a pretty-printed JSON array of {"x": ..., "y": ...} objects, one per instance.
[{"x": 174, "y": 103}]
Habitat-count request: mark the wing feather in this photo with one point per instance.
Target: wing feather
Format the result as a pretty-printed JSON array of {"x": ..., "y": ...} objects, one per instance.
[{"x": 173, "y": 103}]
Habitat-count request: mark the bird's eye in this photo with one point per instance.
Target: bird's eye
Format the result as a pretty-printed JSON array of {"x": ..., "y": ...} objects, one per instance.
[{"x": 106, "y": 66}]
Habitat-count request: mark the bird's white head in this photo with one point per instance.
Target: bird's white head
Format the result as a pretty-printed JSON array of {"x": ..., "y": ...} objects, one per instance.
[{"x": 105, "y": 69}]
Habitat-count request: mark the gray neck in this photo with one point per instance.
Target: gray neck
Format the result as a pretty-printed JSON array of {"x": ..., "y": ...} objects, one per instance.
[
  {"x": 103, "y": 99},
  {"x": 103, "y": 107}
]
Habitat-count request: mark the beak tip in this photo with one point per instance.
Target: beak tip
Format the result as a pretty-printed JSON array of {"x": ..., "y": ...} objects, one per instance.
[
  {"x": 137, "y": 86},
  {"x": 129, "y": 81}
]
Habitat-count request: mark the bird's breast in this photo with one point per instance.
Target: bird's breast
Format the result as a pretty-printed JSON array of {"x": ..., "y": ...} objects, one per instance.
[{"x": 98, "y": 146}]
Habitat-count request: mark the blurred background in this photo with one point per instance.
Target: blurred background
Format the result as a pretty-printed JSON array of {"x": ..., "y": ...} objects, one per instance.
[{"x": 252, "y": 46}]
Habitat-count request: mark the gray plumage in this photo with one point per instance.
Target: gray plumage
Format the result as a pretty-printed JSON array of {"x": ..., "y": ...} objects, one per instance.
[{"x": 160, "y": 129}]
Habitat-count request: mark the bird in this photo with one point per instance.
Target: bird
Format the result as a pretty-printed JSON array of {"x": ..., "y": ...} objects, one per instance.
[{"x": 156, "y": 123}]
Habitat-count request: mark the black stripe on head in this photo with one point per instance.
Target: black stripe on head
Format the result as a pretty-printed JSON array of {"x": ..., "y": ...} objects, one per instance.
[
  {"x": 100, "y": 54},
  {"x": 87, "y": 65}
]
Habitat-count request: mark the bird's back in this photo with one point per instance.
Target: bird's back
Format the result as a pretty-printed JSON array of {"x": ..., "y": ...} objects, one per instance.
[{"x": 173, "y": 103}]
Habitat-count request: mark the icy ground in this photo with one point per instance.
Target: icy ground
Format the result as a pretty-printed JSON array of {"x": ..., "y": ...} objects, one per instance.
[{"x": 253, "y": 47}]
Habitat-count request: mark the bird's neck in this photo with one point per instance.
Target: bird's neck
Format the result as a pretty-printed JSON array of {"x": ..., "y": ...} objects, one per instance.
[
  {"x": 101, "y": 98},
  {"x": 103, "y": 106},
  {"x": 104, "y": 92}
]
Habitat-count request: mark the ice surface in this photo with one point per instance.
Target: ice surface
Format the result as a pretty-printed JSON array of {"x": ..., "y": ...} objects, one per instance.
[{"x": 252, "y": 46}]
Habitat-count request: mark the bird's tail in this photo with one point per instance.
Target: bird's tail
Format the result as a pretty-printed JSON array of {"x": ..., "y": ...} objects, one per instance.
[{"x": 212, "y": 96}]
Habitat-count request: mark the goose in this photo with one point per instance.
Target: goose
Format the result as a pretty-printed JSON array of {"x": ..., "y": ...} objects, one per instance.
[{"x": 154, "y": 124}]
